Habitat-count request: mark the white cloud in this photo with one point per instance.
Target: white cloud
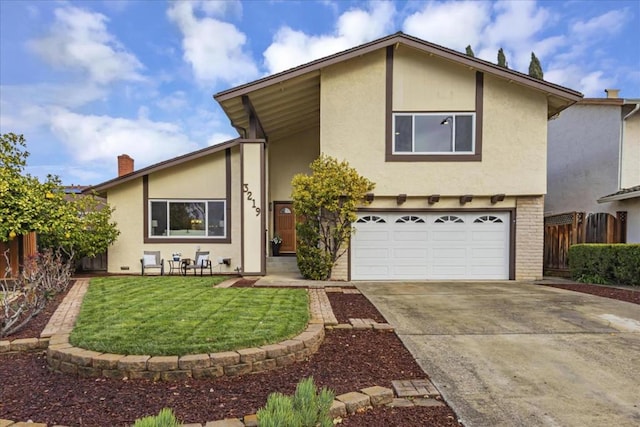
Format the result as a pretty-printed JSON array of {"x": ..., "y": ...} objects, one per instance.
[
  {"x": 454, "y": 24},
  {"x": 221, "y": 8},
  {"x": 91, "y": 138},
  {"x": 606, "y": 24},
  {"x": 355, "y": 26},
  {"x": 213, "y": 48},
  {"x": 219, "y": 137},
  {"x": 79, "y": 40},
  {"x": 174, "y": 101}
]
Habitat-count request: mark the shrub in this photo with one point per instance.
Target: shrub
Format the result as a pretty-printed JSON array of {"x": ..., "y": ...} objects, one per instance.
[
  {"x": 165, "y": 418},
  {"x": 617, "y": 264},
  {"x": 313, "y": 262},
  {"x": 306, "y": 408}
]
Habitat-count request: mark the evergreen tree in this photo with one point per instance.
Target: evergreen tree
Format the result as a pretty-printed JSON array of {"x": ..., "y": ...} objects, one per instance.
[
  {"x": 535, "y": 69},
  {"x": 470, "y": 51},
  {"x": 502, "y": 60}
]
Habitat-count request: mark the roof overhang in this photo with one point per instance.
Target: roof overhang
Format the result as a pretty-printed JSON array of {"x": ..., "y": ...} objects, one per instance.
[
  {"x": 289, "y": 101},
  {"x": 624, "y": 194},
  {"x": 103, "y": 187}
]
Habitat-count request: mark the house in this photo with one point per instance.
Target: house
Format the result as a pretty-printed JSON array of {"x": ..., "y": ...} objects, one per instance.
[
  {"x": 455, "y": 145},
  {"x": 594, "y": 165}
]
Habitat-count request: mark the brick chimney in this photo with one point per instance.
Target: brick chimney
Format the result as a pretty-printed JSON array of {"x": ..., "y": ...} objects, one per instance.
[
  {"x": 612, "y": 93},
  {"x": 125, "y": 165}
]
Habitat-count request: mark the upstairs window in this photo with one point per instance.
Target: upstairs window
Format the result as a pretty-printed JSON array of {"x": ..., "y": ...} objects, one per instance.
[{"x": 434, "y": 133}]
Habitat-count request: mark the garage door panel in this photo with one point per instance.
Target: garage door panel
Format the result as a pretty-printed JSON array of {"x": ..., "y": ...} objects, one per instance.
[
  {"x": 458, "y": 245},
  {"x": 449, "y": 236}
]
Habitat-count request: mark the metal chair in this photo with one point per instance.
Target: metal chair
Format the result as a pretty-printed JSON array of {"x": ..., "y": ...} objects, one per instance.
[
  {"x": 152, "y": 259},
  {"x": 201, "y": 262}
]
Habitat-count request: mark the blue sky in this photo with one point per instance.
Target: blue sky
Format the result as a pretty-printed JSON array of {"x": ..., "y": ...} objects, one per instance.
[{"x": 85, "y": 81}]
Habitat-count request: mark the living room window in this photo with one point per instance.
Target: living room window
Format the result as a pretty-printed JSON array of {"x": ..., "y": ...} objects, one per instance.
[
  {"x": 187, "y": 219},
  {"x": 434, "y": 133}
]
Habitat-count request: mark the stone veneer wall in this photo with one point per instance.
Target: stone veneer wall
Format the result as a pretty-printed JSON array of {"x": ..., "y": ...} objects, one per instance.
[
  {"x": 63, "y": 357},
  {"x": 529, "y": 237}
]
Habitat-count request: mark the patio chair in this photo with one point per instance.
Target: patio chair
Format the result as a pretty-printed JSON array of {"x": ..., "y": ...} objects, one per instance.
[
  {"x": 200, "y": 262},
  {"x": 152, "y": 259}
]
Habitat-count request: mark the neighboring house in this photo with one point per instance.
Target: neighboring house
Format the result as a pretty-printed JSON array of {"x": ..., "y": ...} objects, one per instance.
[
  {"x": 594, "y": 162},
  {"x": 456, "y": 146}
]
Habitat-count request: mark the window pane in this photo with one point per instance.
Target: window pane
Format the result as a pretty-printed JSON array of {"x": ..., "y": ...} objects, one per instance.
[
  {"x": 158, "y": 218},
  {"x": 433, "y": 134},
  {"x": 403, "y": 133},
  {"x": 216, "y": 219},
  {"x": 464, "y": 133},
  {"x": 186, "y": 219}
]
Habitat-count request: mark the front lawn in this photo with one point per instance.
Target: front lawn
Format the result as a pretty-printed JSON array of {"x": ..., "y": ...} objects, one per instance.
[{"x": 184, "y": 315}]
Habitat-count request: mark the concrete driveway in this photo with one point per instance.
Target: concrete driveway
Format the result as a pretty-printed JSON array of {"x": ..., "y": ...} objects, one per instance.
[{"x": 513, "y": 354}]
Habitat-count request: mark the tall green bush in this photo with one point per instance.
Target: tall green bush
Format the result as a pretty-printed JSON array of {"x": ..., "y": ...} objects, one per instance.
[
  {"x": 617, "y": 264},
  {"x": 306, "y": 408}
]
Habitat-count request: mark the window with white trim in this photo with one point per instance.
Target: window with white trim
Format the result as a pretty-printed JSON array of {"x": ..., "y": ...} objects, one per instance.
[
  {"x": 187, "y": 219},
  {"x": 434, "y": 133}
]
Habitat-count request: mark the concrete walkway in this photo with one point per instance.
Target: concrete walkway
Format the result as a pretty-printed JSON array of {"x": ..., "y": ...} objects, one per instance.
[{"x": 507, "y": 354}]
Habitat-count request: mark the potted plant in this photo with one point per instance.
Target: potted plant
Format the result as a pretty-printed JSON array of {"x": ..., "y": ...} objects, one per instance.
[
  {"x": 176, "y": 256},
  {"x": 276, "y": 242}
]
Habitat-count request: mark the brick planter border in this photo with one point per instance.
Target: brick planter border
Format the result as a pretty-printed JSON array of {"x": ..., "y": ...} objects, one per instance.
[{"x": 63, "y": 357}]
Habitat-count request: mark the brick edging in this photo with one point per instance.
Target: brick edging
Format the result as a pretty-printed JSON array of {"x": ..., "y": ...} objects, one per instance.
[
  {"x": 65, "y": 358},
  {"x": 24, "y": 345}
]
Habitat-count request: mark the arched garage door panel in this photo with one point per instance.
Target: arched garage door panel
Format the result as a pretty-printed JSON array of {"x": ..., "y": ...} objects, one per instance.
[{"x": 406, "y": 246}]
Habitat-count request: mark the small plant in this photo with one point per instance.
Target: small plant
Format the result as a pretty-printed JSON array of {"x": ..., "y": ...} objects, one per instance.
[
  {"x": 277, "y": 240},
  {"x": 165, "y": 418},
  {"x": 306, "y": 408}
]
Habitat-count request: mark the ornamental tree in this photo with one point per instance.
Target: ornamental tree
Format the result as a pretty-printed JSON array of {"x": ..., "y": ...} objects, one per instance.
[
  {"x": 78, "y": 225},
  {"x": 325, "y": 203},
  {"x": 535, "y": 69}
]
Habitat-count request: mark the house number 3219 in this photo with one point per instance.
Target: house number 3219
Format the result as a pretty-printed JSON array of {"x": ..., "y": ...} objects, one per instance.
[{"x": 245, "y": 189}]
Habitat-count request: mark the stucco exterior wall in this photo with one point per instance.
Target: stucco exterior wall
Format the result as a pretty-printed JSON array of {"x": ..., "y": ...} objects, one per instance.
[
  {"x": 352, "y": 127},
  {"x": 201, "y": 178},
  {"x": 630, "y": 175},
  {"x": 632, "y": 207},
  {"x": 583, "y": 159},
  {"x": 253, "y": 209},
  {"x": 288, "y": 157}
]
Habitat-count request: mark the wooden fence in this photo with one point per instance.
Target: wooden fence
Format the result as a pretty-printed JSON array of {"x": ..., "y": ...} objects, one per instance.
[
  {"x": 563, "y": 230},
  {"x": 17, "y": 249}
]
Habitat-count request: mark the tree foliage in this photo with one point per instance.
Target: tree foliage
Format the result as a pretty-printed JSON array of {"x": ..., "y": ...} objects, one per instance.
[
  {"x": 79, "y": 225},
  {"x": 502, "y": 59},
  {"x": 535, "y": 69},
  {"x": 326, "y": 201},
  {"x": 469, "y": 51}
]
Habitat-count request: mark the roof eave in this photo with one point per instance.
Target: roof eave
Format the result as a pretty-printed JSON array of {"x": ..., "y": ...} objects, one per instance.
[
  {"x": 616, "y": 197},
  {"x": 102, "y": 187}
]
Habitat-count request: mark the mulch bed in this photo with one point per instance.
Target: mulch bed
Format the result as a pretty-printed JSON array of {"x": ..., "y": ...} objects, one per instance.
[
  {"x": 350, "y": 306},
  {"x": 346, "y": 361},
  {"x": 628, "y": 295}
]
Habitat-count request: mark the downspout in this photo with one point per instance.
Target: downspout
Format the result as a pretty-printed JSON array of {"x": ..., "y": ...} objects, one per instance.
[{"x": 631, "y": 113}]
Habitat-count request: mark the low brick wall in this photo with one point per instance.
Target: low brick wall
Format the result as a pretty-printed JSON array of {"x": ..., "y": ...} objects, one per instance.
[
  {"x": 24, "y": 345},
  {"x": 63, "y": 357}
]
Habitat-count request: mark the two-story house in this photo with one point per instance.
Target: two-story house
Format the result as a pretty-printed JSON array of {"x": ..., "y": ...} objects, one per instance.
[
  {"x": 456, "y": 146},
  {"x": 594, "y": 161}
]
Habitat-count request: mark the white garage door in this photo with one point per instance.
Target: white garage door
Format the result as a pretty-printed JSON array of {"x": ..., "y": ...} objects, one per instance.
[{"x": 401, "y": 246}]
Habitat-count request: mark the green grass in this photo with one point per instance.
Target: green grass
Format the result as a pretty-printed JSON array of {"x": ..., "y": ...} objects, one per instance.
[{"x": 178, "y": 316}]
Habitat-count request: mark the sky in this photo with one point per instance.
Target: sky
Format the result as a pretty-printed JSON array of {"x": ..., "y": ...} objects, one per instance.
[{"x": 86, "y": 81}]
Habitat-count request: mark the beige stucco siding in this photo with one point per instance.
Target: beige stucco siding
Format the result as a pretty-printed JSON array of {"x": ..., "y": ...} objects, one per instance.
[
  {"x": 514, "y": 132},
  {"x": 204, "y": 178},
  {"x": 124, "y": 255},
  {"x": 630, "y": 175},
  {"x": 288, "y": 157},
  {"x": 253, "y": 211},
  {"x": 176, "y": 182},
  {"x": 423, "y": 83}
]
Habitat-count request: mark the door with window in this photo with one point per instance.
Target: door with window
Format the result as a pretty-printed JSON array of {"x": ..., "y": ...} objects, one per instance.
[{"x": 285, "y": 226}]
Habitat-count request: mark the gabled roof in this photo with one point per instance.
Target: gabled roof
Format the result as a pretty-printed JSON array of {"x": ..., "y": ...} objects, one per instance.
[
  {"x": 295, "y": 92},
  {"x": 625, "y": 193},
  {"x": 100, "y": 188}
]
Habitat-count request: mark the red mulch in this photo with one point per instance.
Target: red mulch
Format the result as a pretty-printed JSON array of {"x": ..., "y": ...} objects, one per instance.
[
  {"x": 346, "y": 361},
  {"x": 628, "y": 295}
]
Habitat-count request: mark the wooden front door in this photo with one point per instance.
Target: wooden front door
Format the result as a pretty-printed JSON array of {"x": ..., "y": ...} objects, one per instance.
[{"x": 285, "y": 226}]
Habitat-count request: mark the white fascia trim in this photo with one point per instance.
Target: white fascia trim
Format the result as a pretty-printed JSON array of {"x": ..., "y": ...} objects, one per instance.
[{"x": 623, "y": 196}]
